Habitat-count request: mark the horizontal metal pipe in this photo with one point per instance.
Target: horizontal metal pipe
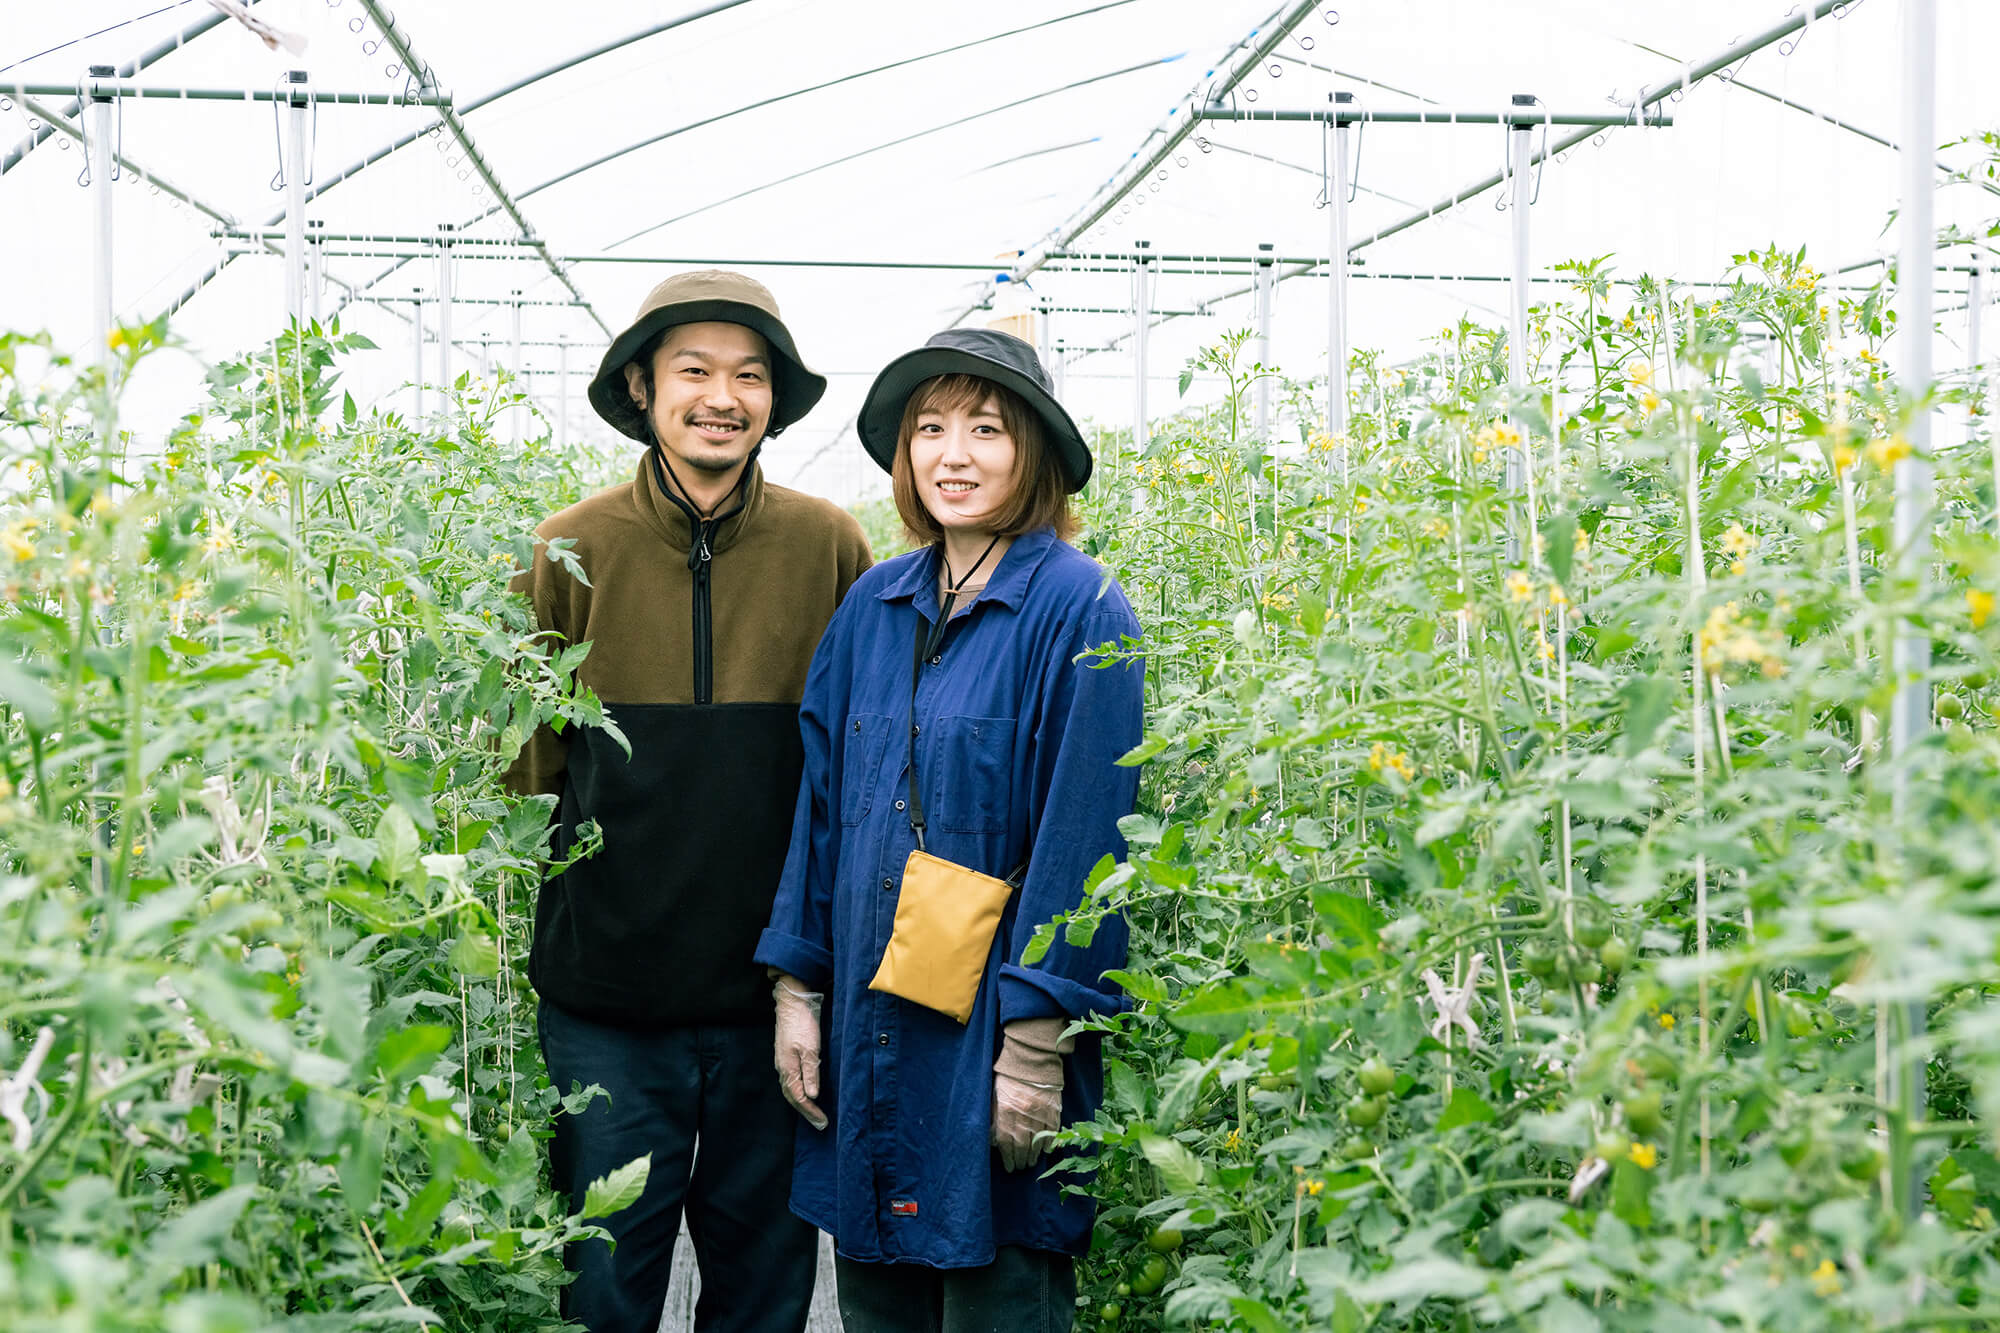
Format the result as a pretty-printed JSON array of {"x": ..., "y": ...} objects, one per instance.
[
  {"x": 420, "y": 298},
  {"x": 1519, "y": 119},
  {"x": 100, "y": 88},
  {"x": 996, "y": 266},
  {"x": 260, "y": 233}
]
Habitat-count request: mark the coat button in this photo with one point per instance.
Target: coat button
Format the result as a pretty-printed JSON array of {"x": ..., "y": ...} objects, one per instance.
[
  {"x": 882, "y": 1039},
  {"x": 857, "y": 728},
  {"x": 899, "y": 805},
  {"x": 916, "y": 730},
  {"x": 888, "y": 883},
  {"x": 938, "y": 659}
]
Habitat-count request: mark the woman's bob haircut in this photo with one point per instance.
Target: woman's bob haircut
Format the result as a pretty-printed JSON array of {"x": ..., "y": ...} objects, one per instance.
[{"x": 1040, "y": 498}]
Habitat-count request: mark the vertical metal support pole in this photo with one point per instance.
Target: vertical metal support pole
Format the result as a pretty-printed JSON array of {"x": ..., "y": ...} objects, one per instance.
[
  {"x": 1042, "y": 331},
  {"x": 1975, "y": 311},
  {"x": 1336, "y": 272},
  {"x": 1520, "y": 156},
  {"x": 102, "y": 170},
  {"x": 517, "y": 414},
  {"x": 1142, "y": 327},
  {"x": 417, "y": 357},
  {"x": 1059, "y": 370},
  {"x": 295, "y": 197},
  {"x": 315, "y": 267},
  {"x": 1989, "y": 397},
  {"x": 444, "y": 310},
  {"x": 562, "y": 392},
  {"x": 1916, "y": 318},
  {"x": 1265, "y": 274}
]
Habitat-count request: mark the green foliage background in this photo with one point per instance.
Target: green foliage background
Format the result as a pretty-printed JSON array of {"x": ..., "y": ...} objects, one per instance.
[{"x": 1602, "y": 763}]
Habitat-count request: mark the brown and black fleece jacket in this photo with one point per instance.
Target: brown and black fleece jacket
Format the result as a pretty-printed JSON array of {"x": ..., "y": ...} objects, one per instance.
[{"x": 700, "y": 634}]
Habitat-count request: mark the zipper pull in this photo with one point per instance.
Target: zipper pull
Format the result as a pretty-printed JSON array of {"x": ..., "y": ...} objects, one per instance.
[{"x": 706, "y": 528}]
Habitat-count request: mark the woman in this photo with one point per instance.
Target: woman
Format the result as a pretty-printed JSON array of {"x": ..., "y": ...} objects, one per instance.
[{"x": 947, "y": 709}]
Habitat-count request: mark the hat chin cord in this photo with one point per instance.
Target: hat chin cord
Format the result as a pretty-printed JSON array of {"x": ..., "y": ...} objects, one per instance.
[{"x": 678, "y": 492}]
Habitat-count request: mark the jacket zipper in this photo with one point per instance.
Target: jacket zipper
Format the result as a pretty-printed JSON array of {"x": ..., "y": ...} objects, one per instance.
[
  {"x": 700, "y": 555},
  {"x": 704, "y": 624}
]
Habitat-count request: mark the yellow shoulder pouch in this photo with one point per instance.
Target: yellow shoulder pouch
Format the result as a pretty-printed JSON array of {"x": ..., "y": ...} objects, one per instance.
[
  {"x": 947, "y": 914},
  {"x": 945, "y": 922}
]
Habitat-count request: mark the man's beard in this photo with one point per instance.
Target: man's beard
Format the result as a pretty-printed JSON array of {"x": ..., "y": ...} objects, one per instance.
[{"x": 703, "y": 462}]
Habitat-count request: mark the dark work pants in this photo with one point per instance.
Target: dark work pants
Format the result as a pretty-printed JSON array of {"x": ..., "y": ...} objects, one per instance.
[
  {"x": 705, "y": 1103},
  {"x": 1021, "y": 1291}
]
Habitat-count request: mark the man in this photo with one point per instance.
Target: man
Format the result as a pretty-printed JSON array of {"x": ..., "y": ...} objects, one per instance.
[{"x": 707, "y": 589}]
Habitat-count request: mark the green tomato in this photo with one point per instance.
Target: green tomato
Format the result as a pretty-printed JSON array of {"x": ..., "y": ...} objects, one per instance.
[
  {"x": 1949, "y": 707},
  {"x": 1615, "y": 954},
  {"x": 1109, "y": 1312},
  {"x": 1977, "y": 680},
  {"x": 1588, "y": 971},
  {"x": 1795, "y": 1145},
  {"x": 1611, "y": 1146},
  {"x": 1592, "y": 929},
  {"x": 1861, "y": 1162},
  {"x": 1124, "y": 1289},
  {"x": 1376, "y": 1077},
  {"x": 1366, "y": 1112},
  {"x": 1356, "y": 1148},
  {"x": 1538, "y": 957},
  {"x": 1643, "y": 1112},
  {"x": 1152, "y": 1275},
  {"x": 1656, "y": 1063},
  {"x": 1798, "y": 1018},
  {"x": 1275, "y": 1082},
  {"x": 1164, "y": 1241}
]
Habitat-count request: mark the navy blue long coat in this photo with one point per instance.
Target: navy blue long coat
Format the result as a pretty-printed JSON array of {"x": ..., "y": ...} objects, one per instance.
[{"x": 1016, "y": 747}]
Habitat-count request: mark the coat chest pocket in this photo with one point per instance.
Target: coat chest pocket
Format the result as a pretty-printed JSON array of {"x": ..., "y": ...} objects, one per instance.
[
  {"x": 975, "y": 758},
  {"x": 866, "y": 742}
]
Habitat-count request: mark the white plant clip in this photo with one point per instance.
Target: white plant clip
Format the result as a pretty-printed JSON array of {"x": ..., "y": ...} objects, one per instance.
[
  {"x": 242, "y": 840},
  {"x": 14, "y": 1092},
  {"x": 1454, "y": 1005}
]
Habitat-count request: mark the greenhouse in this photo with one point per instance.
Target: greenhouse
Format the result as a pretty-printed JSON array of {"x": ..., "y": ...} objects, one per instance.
[{"x": 1447, "y": 777}]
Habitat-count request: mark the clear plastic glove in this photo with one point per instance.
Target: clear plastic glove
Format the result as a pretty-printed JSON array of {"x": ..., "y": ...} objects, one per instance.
[
  {"x": 1027, "y": 1089},
  {"x": 797, "y": 1049}
]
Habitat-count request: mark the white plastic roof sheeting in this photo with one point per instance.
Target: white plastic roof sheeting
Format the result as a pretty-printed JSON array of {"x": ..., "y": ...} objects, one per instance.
[{"x": 967, "y": 158}]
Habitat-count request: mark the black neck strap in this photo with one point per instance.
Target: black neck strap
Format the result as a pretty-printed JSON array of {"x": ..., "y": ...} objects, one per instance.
[{"x": 929, "y": 639}]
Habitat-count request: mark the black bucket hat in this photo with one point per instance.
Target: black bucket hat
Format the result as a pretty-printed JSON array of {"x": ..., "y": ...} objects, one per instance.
[
  {"x": 710, "y": 295},
  {"x": 991, "y": 355}
]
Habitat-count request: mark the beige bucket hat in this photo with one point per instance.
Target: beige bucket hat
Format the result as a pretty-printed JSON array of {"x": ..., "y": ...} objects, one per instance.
[{"x": 710, "y": 295}]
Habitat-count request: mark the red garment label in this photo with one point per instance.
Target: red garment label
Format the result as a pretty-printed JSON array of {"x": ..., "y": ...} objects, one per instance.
[{"x": 903, "y": 1207}]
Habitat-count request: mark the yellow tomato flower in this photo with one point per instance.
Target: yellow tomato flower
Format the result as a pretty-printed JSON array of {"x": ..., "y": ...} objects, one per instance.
[
  {"x": 1886, "y": 451},
  {"x": 1843, "y": 457},
  {"x": 1639, "y": 373},
  {"x": 1737, "y": 542},
  {"x": 14, "y": 539},
  {"x": 1400, "y": 762},
  {"x": 1436, "y": 528},
  {"x": 1313, "y": 1187},
  {"x": 1506, "y": 435},
  {"x": 1649, "y": 402},
  {"x": 1826, "y": 1278},
  {"x": 1644, "y": 1156},
  {"x": 1978, "y": 605},
  {"x": 1868, "y": 354},
  {"x": 1667, "y": 1022},
  {"x": 1378, "y": 755},
  {"x": 1519, "y": 587},
  {"x": 1233, "y": 1140}
]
